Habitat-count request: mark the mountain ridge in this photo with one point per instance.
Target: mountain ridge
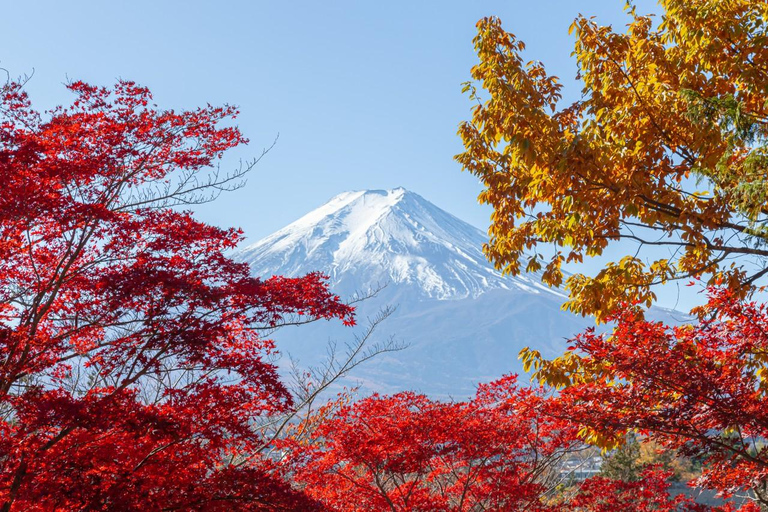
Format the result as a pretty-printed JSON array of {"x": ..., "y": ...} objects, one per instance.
[{"x": 386, "y": 236}]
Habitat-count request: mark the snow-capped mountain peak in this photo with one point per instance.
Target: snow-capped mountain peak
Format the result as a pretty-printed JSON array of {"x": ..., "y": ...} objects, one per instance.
[
  {"x": 465, "y": 322},
  {"x": 376, "y": 236}
]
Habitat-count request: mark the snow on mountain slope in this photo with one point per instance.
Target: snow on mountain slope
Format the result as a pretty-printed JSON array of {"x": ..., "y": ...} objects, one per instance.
[
  {"x": 463, "y": 321},
  {"x": 396, "y": 236}
]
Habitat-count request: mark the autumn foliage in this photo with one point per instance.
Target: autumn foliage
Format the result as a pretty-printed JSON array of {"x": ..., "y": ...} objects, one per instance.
[
  {"x": 665, "y": 152},
  {"x": 132, "y": 372},
  {"x": 650, "y": 493},
  {"x": 699, "y": 390},
  {"x": 499, "y": 451},
  {"x": 665, "y": 149}
]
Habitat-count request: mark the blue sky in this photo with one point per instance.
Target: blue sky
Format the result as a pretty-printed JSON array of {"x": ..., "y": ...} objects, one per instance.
[{"x": 362, "y": 94}]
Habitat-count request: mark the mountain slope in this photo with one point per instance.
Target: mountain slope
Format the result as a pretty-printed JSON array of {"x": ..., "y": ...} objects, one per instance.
[
  {"x": 463, "y": 321},
  {"x": 396, "y": 236}
]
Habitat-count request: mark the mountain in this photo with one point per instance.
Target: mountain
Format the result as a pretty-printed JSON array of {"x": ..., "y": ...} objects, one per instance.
[
  {"x": 395, "y": 236},
  {"x": 463, "y": 321}
]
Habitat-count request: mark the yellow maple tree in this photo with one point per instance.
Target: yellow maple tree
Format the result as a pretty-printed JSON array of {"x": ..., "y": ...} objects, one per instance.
[{"x": 666, "y": 147}]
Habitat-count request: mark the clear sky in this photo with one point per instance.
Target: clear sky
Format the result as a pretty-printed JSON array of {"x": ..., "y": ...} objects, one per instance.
[{"x": 363, "y": 94}]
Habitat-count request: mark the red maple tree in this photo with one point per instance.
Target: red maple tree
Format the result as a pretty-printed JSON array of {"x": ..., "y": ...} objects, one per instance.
[
  {"x": 500, "y": 451},
  {"x": 696, "y": 389},
  {"x": 132, "y": 372},
  {"x": 407, "y": 452}
]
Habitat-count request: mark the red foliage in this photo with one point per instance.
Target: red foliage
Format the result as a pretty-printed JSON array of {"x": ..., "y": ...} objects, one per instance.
[
  {"x": 406, "y": 452},
  {"x": 697, "y": 389},
  {"x": 132, "y": 375},
  {"x": 649, "y": 494},
  {"x": 500, "y": 451}
]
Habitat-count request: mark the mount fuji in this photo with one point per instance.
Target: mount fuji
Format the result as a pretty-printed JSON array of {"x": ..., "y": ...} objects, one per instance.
[
  {"x": 394, "y": 236},
  {"x": 463, "y": 321}
]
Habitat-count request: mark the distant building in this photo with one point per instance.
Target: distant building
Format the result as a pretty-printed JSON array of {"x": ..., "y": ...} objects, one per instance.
[{"x": 577, "y": 469}]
